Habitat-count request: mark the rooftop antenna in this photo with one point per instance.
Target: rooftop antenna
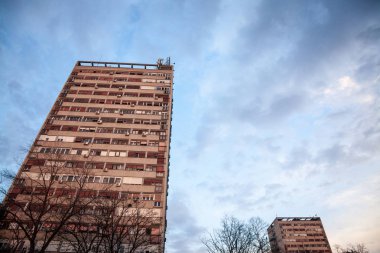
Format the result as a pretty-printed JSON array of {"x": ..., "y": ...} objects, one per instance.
[
  {"x": 160, "y": 61},
  {"x": 167, "y": 62},
  {"x": 164, "y": 65}
]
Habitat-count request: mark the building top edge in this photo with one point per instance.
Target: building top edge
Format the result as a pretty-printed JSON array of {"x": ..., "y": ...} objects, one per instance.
[
  {"x": 297, "y": 218},
  {"x": 105, "y": 64}
]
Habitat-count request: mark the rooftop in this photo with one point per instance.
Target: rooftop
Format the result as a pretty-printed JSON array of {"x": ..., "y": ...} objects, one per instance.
[{"x": 161, "y": 64}]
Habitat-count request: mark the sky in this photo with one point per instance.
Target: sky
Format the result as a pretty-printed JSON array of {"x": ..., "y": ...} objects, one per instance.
[{"x": 276, "y": 103}]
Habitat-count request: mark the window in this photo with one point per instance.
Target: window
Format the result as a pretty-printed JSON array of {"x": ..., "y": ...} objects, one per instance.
[
  {"x": 129, "y": 94},
  {"x": 85, "y": 92},
  {"x": 135, "y": 143},
  {"x": 72, "y": 164},
  {"x": 87, "y": 129},
  {"x": 153, "y": 143},
  {"x": 77, "y": 109},
  {"x": 97, "y": 101},
  {"x": 119, "y": 141},
  {"x": 116, "y": 93},
  {"x": 135, "y": 167},
  {"x": 147, "y": 197},
  {"x": 153, "y": 181},
  {"x": 104, "y": 130},
  {"x": 70, "y": 128},
  {"x": 110, "y": 110},
  {"x": 73, "y": 118},
  {"x": 124, "y": 121},
  {"x": 55, "y": 128},
  {"x": 150, "y": 168},
  {"x": 90, "y": 119},
  {"x": 118, "y": 167},
  {"x": 101, "y": 93},
  {"x": 94, "y": 152},
  {"x": 57, "y": 151},
  {"x": 96, "y": 165},
  {"x": 118, "y": 153},
  {"x": 102, "y": 141},
  {"x": 137, "y": 154},
  {"x": 122, "y": 131},
  {"x": 124, "y": 111},
  {"x": 81, "y": 100},
  {"x": 157, "y": 203},
  {"x": 152, "y": 155},
  {"x": 94, "y": 109}
]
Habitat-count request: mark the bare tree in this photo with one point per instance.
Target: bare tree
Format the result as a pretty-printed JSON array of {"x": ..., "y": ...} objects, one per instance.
[
  {"x": 6, "y": 177},
  {"x": 351, "y": 248},
  {"x": 237, "y": 236},
  {"x": 259, "y": 236},
  {"x": 40, "y": 202},
  {"x": 233, "y": 237},
  {"x": 113, "y": 224},
  {"x": 51, "y": 202}
]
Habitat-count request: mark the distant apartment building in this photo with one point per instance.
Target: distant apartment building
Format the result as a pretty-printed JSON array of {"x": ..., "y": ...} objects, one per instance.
[
  {"x": 298, "y": 235},
  {"x": 113, "y": 121}
]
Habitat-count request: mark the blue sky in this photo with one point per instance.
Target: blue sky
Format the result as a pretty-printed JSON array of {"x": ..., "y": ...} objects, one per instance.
[{"x": 276, "y": 103}]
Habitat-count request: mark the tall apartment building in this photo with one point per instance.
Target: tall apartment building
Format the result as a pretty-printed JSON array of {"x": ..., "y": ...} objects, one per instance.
[
  {"x": 298, "y": 235},
  {"x": 106, "y": 138}
]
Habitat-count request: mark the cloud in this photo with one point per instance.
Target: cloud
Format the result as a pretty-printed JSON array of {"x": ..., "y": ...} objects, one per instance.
[{"x": 184, "y": 233}]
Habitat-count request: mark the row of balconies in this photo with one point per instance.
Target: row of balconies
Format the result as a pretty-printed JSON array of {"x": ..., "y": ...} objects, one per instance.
[
  {"x": 119, "y": 78},
  {"x": 121, "y": 119},
  {"x": 110, "y": 114},
  {"x": 99, "y": 172},
  {"x": 131, "y": 103},
  {"x": 118, "y": 96},
  {"x": 113, "y": 159},
  {"x": 86, "y": 85},
  {"x": 114, "y": 191},
  {"x": 153, "y": 75},
  {"x": 115, "y": 139},
  {"x": 97, "y": 84},
  {"x": 106, "y": 124},
  {"x": 108, "y": 146},
  {"x": 115, "y": 106}
]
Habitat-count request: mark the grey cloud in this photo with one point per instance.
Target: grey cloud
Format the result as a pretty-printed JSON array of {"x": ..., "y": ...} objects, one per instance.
[
  {"x": 280, "y": 107},
  {"x": 333, "y": 155},
  {"x": 285, "y": 105},
  {"x": 203, "y": 138},
  {"x": 372, "y": 34},
  {"x": 369, "y": 69},
  {"x": 183, "y": 231}
]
